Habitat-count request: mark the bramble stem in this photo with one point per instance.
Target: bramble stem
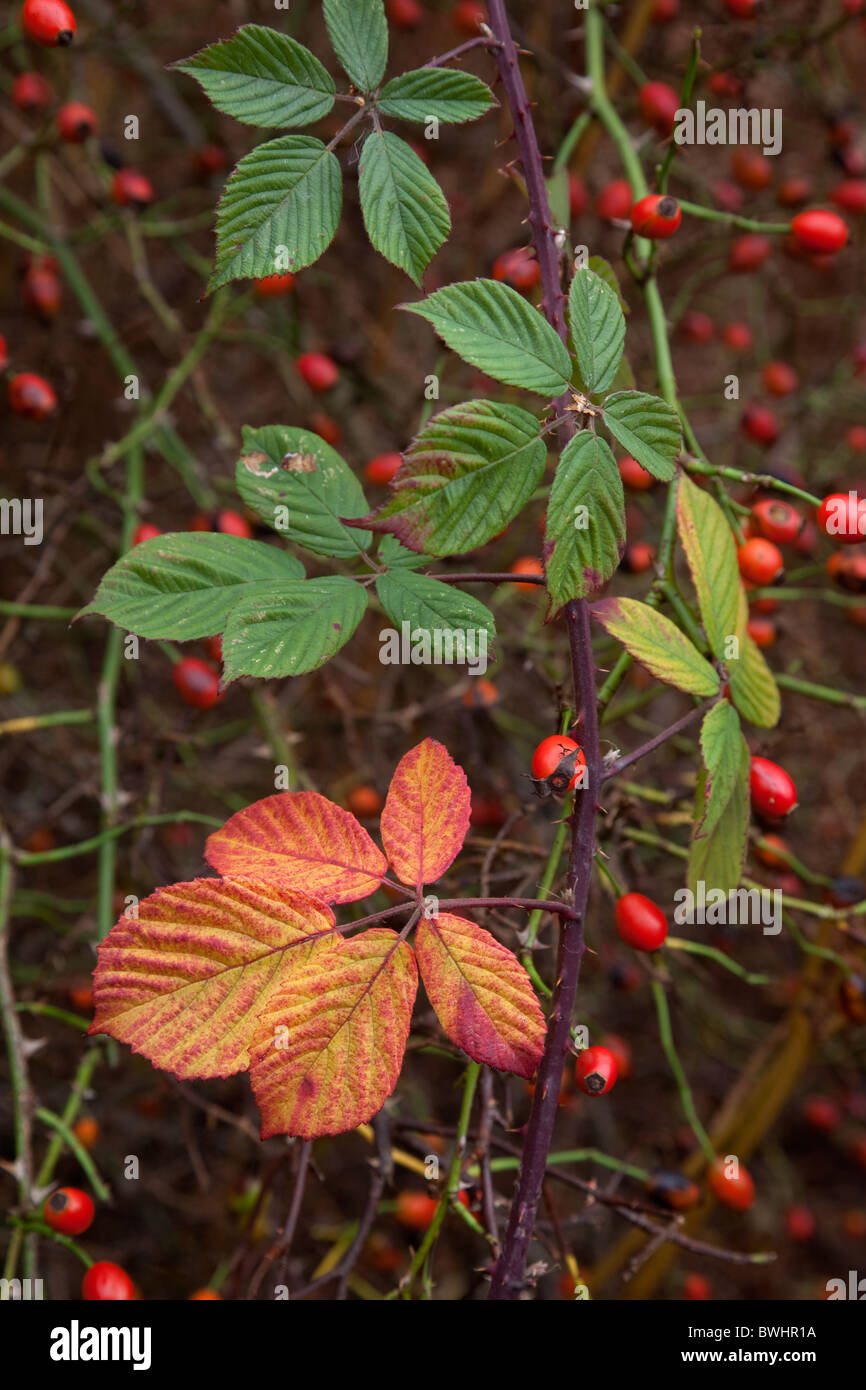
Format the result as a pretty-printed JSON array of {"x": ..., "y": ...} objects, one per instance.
[{"x": 508, "y": 1273}]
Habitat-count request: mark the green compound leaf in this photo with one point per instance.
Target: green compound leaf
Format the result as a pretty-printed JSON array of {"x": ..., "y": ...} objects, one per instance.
[
  {"x": 584, "y": 536},
  {"x": 287, "y": 629},
  {"x": 753, "y": 687},
  {"x": 656, "y": 643},
  {"x": 428, "y": 606},
  {"x": 719, "y": 847},
  {"x": 359, "y": 33},
  {"x": 404, "y": 209},
  {"x": 448, "y": 95},
  {"x": 396, "y": 557},
  {"x": 302, "y": 487},
  {"x": 491, "y": 326},
  {"x": 597, "y": 329},
  {"x": 279, "y": 211},
  {"x": 712, "y": 558},
  {"x": 721, "y": 747},
  {"x": 648, "y": 428},
  {"x": 263, "y": 78},
  {"x": 182, "y": 586},
  {"x": 467, "y": 474}
]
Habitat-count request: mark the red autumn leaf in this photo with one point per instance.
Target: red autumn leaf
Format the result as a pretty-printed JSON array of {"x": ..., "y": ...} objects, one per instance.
[
  {"x": 329, "y": 1045},
  {"x": 183, "y": 981},
  {"x": 303, "y": 839},
  {"x": 426, "y": 814},
  {"x": 481, "y": 993}
]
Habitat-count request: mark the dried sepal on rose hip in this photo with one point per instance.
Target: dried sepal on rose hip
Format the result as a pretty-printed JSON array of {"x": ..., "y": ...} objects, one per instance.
[
  {"x": 595, "y": 1071},
  {"x": 558, "y": 766}
]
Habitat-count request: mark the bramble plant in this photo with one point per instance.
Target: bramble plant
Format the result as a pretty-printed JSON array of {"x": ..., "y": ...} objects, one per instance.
[{"x": 299, "y": 960}]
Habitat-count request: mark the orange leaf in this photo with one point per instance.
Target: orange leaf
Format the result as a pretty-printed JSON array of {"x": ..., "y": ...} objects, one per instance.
[
  {"x": 481, "y": 993},
  {"x": 303, "y": 838},
  {"x": 183, "y": 981},
  {"x": 426, "y": 814},
  {"x": 329, "y": 1045}
]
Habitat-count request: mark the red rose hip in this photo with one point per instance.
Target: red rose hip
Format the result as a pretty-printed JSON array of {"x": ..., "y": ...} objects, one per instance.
[
  {"x": 640, "y": 922},
  {"x": 772, "y": 791},
  {"x": 595, "y": 1071}
]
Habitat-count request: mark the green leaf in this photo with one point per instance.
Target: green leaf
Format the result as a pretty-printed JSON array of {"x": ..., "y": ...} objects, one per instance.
[
  {"x": 716, "y": 856},
  {"x": 405, "y": 212},
  {"x": 648, "y": 428},
  {"x": 279, "y": 211},
  {"x": 359, "y": 33},
  {"x": 711, "y": 552},
  {"x": 397, "y": 557},
  {"x": 287, "y": 629},
  {"x": 491, "y": 326},
  {"x": 263, "y": 78},
  {"x": 605, "y": 270},
  {"x": 657, "y": 644},
  {"x": 467, "y": 474},
  {"x": 721, "y": 746},
  {"x": 182, "y": 586},
  {"x": 448, "y": 95},
  {"x": 283, "y": 466},
  {"x": 429, "y": 606},
  {"x": 753, "y": 688},
  {"x": 597, "y": 329},
  {"x": 584, "y": 535}
]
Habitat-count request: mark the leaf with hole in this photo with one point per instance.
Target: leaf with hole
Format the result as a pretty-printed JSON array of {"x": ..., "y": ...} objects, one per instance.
[{"x": 302, "y": 487}]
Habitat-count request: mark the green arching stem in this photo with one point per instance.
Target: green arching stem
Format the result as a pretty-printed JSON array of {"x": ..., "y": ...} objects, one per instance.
[
  {"x": 685, "y": 100},
  {"x": 86, "y": 1067},
  {"x": 88, "y": 1167},
  {"x": 572, "y": 139},
  {"x": 732, "y": 219},
  {"x": 24, "y": 723},
  {"x": 669, "y": 1047},
  {"x": 38, "y": 1228},
  {"x": 55, "y": 856},
  {"x": 739, "y": 475},
  {"x": 505, "y": 1164},
  {"x": 452, "y": 1184},
  {"x": 697, "y": 948},
  {"x": 821, "y": 692}
]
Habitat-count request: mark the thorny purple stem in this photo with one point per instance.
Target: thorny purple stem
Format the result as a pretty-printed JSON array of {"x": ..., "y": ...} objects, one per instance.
[
  {"x": 508, "y": 1273},
  {"x": 655, "y": 742}
]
